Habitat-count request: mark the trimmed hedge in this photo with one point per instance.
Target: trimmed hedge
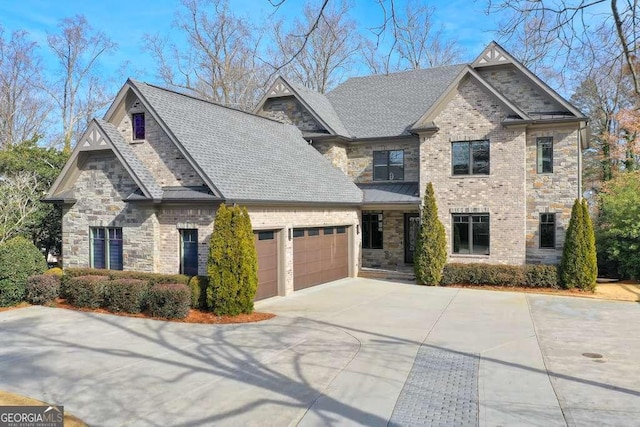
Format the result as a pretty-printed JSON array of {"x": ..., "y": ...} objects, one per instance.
[
  {"x": 85, "y": 291},
  {"x": 42, "y": 288},
  {"x": 169, "y": 300},
  {"x": 533, "y": 276},
  {"x": 151, "y": 278},
  {"x": 127, "y": 295},
  {"x": 198, "y": 286},
  {"x": 19, "y": 259}
]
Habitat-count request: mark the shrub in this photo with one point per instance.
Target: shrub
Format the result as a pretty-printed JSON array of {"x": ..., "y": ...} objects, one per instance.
[
  {"x": 430, "y": 254},
  {"x": 541, "y": 276},
  {"x": 232, "y": 266},
  {"x": 578, "y": 267},
  {"x": 198, "y": 285},
  {"x": 169, "y": 300},
  {"x": 151, "y": 278},
  {"x": 19, "y": 259},
  {"x": 42, "y": 288},
  {"x": 126, "y": 295},
  {"x": 86, "y": 291},
  {"x": 56, "y": 271},
  {"x": 533, "y": 276}
]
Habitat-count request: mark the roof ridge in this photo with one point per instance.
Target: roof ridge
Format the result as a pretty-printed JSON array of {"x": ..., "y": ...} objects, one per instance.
[
  {"x": 395, "y": 73},
  {"x": 206, "y": 101}
]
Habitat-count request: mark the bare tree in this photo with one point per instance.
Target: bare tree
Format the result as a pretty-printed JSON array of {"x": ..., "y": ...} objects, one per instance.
[
  {"x": 418, "y": 43},
  {"x": 321, "y": 46},
  {"x": 23, "y": 111},
  {"x": 572, "y": 26},
  {"x": 19, "y": 195},
  {"x": 219, "y": 62},
  {"x": 80, "y": 92}
]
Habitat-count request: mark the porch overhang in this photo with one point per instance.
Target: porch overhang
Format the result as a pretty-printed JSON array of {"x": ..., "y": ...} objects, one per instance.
[{"x": 390, "y": 195}]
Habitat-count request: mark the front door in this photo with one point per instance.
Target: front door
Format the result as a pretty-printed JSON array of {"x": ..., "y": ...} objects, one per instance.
[{"x": 411, "y": 229}]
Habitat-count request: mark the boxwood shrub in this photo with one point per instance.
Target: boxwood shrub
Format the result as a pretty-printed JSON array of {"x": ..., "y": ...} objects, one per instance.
[
  {"x": 85, "y": 291},
  {"x": 19, "y": 259},
  {"x": 534, "y": 276},
  {"x": 42, "y": 288},
  {"x": 170, "y": 300},
  {"x": 198, "y": 285},
  {"x": 151, "y": 278},
  {"x": 127, "y": 295}
]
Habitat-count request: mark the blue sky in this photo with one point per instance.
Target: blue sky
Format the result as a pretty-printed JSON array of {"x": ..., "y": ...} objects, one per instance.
[{"x": 126, "y": 23}]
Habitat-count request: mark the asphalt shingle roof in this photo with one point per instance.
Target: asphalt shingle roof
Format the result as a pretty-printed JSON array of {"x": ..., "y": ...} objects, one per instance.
[
  {"x": 389, "y": 104},
  {"x": 138, "y": 168},
  {"x": 249, "y": 158},
  {"x": 391, "y": 192}
]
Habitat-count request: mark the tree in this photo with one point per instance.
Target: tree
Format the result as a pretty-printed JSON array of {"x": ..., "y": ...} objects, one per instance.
[
  {"x": 618, "y": 225},
  {"x": 81, "y": 90},
  {"x": 29, "y": 170},
  {"x": 319, "y": 48},
  {"x": 430, "y": 255},
  {"x": 219, "y": 61},
  {"x": 23, "y": 110},
  {"x": 232, "y": 266},
  {"x": 574, "y": 26},
  {"x": 577, "y": 267}
]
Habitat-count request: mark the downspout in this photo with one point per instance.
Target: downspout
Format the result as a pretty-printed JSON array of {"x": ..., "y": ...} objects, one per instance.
[{"x": 580, "y": 161}]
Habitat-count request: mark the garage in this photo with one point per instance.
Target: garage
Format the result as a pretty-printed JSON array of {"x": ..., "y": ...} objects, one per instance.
[
  {"x": 267, "y": 251},
  {"x": 320, "y": 255}
]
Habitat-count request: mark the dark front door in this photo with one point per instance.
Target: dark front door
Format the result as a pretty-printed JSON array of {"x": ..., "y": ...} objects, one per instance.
[{"x": 411, "y": 228}]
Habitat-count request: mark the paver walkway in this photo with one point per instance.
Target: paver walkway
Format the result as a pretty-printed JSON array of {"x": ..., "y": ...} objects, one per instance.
[{"x": 355, "y": 352}]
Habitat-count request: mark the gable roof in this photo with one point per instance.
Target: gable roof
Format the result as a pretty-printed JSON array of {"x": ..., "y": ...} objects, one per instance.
[
  {"x": 244, "y": 156},
  {"x": 389, "y": 104},
  {"x": 99, "y": 136}
]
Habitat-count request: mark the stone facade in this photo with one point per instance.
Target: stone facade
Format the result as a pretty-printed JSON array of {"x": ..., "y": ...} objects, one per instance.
[
  {"x": 159, "y": 154},
  {"x": 473, "y": 114},
  {"x": 551, "y": 192},
  {"x": 392, "y": 253},
  {"x": 289, "y": 110},
  {"x": 100, "y": 187}
]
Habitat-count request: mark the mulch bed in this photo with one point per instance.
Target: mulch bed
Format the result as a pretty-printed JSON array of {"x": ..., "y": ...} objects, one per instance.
[
  {"x": 194, "y": 316},
  {"x": 554, "y": 291}
]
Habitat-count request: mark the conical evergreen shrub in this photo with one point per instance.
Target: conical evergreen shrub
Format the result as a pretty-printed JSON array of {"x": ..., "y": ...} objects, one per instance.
[
  {"x": 591, "y": 254},
  {"x": 578, "y": 267},
  {"x": 430, "y": 254},
  {"x": 232, "y": 266}
]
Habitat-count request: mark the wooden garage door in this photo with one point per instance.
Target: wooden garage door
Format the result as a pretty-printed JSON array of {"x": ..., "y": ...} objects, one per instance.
[
  {"x": 267, "y": 250},
  {"x": 319, "y": 255}
]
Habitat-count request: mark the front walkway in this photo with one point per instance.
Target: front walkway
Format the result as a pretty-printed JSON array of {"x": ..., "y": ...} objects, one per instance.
[{"x": 356, "y": 351}]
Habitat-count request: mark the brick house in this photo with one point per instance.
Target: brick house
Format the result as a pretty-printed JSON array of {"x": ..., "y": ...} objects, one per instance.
[
  {"x": 338, "y": 184},
  {"x": 502, "y": 149}
]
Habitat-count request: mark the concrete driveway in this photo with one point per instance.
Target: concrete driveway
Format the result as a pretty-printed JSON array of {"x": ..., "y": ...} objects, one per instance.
[{"x": 357, "y": 351}]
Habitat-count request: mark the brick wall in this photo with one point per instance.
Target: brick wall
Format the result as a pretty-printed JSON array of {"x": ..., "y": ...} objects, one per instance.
[
  {"x": 158, "y": 153},
  {"x": 474, "y": 114},
  {"x": 101, "y": 185}
]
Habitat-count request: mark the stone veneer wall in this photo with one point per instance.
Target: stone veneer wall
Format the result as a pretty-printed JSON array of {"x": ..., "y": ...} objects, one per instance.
[
  {"x": 392, "y": 253},
  {"x": 551, "y": 192},
  {"x": 288, "y": 110},
  {"x": 336, "y": 153},
  {"x": 474, "y": 114},
  {"x": 360, "y": 156},
  {"x": 517, "y": 88},
  {"x": 101, "y": 185},
  {"x": 158, "y": 153}
]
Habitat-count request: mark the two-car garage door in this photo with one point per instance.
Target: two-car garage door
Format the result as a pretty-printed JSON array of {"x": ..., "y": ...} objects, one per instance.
[{"x": 319, "y": 255}]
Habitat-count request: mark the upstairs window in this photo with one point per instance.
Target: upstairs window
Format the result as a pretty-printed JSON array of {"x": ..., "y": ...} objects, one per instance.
[
  {"x": 388, "y": 165},
  {"x": 137, "y": 120},
  {"x": 545, "y": 154},
  {"x": 106, "y": 248},
  {"x": 470, "y": 157},
  {"x": 548, "y": 230},
  {"x": 372, "y": 230}
]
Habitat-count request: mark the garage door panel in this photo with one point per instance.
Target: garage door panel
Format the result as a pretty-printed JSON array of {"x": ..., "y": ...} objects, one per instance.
[
  {"x": 320, "y": 255},
  {"x": 267, "y": 252}
]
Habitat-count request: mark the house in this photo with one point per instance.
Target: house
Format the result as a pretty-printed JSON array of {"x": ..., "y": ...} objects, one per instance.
[
  {"x": 502, "y": 149},
  {"x": 332, "y": 181}
]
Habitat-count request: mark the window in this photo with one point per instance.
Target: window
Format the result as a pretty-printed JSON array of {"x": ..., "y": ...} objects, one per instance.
[
  {"x": 545, "y": 154},
  {"x": 106, "y": 248},
  {"x": 313, "y": 232},
  {"x": 137, "y": 121},
  {"x": 341, "y": 230},
  {"x": 548, "y": 230},
  {"x": 189, "y": 252},
  {"x": 372, "y": 230},
  {"x": 470, "y": 157},
  {"x": 328, "y": 230},
  {"x": 388, "y": 165},
  {"x": 471, "y": 234},
  {"x": 266, "y": 235},
  {"x": 298, "y": 232}
]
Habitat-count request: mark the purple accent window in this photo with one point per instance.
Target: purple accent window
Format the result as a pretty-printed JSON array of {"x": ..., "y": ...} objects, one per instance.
[{"x": 138, "y": 125}]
